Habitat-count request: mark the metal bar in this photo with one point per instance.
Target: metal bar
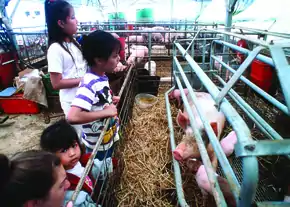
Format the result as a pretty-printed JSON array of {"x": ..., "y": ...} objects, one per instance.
[
  {"x": 14, "y": 10},
  {"x": 218, "y": 195},
  {"x": 199, "y": 39},
  {"x": 262, "y": 58},
  {"x": 149, "y": 52},
  {"x": 268, "y": 130},
  {"x": 176, "y": 168},
  {"x": 238, "y": 74},
  {"x": 276, "y": 34},
  {"x": 268, "y": 97},
  {"x": 263, "y": 148},
  {"x": 283, "y": 71},
  {"x": 273, "y": 204},
  {"x": 228, "y": 171},
  {"x": 203, "y": 54},
  {"x": 94, "y": 152},
  {"x": 250, "y": 164},
  {"x": 256, "y": 41}
]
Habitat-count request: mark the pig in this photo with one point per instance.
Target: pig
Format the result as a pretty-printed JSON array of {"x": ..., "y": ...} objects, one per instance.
[
  {"x": 228, "y": 143},
  {"x": 204, "y": 184},
  {"x": 135, "y": 38},
  {"x": 153, "y": 67},
  {"x": 157, "y": 37},
  {"x": 175, "y": 94},
  {"x": 187, "y": 148}
]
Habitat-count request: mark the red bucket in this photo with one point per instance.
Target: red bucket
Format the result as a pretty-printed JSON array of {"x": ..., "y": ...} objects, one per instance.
[
  {"x": 261, "y": 75},
  {"x": 122, "y": 51}
]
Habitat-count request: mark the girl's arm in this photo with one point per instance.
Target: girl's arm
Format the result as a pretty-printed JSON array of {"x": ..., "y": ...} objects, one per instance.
[
  {"x": 58, "y": 83},
  {"x": 77, "y": 115}
]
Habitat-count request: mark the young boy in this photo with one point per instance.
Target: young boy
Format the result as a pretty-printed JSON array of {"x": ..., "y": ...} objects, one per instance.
[{"x": 94, "y": 101}]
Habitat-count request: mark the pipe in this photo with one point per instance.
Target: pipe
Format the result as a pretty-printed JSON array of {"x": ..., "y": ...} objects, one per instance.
[
  {"x": 250, "y": 164},
  {"x": 228, "y": 171},
  {"x": 262, "y": 58},
  {"x": 176, "y": 168},
  {"x": 269, "y": 131},
  {"x": 219, "y": 197},
  {"x": 271, "y": 99}
]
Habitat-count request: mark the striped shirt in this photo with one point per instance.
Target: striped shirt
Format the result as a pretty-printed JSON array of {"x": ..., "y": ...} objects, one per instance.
[{"x": 93, "y": 95}]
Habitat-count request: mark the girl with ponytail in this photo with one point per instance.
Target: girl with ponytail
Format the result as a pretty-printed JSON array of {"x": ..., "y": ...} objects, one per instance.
[{"x": 66, "y": 64}]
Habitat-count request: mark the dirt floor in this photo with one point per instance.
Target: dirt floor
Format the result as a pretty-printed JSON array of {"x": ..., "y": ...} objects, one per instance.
[{"x": 23, "y": 134}]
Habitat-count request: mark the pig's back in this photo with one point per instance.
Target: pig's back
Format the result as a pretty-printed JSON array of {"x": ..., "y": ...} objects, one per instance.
[{"x": 208, "y": 107}]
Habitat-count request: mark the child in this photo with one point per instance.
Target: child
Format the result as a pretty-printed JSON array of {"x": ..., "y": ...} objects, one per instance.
[
  {"x": 32, "y": 178},
  {"x": 65, "y": 61},
  {"x": 61, "y": 139},
  {"x": 94, "y": 100}
]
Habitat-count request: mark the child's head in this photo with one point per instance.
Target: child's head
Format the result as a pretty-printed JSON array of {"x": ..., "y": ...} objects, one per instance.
[
  {"x": 62, "y": 139},
  {"x": 32, "y": 178},
  {"x": 101, "y": 50},
  {"x": 60, "y": 20}
]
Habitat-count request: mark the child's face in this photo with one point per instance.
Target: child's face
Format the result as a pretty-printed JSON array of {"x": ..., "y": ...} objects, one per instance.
[
  {"x": 71, "y": 25},
  {"x": 112, "y": 62},
  {"x": 69, "y": 157}
]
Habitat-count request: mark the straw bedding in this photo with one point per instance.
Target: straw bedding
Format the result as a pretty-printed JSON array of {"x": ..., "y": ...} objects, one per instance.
[{"x": 148, "y": 179}]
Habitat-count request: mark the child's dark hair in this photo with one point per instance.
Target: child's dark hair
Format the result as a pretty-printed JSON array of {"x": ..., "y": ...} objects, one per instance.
[
  {"x": 27, "y": 176},
  {"x": 54, "y": 11},
  {"x": 99, "y": 44},
  {"x": 60, "y": 135}
]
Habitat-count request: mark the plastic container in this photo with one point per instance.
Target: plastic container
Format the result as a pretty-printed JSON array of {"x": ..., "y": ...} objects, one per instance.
[
  {"x": 262, "y": 75},
  {"x": 18, "y": 105},
  {"x": 145, "y": 15},
  {"x": 47, "y": 84},
  {"x": 144, "y": 100}
]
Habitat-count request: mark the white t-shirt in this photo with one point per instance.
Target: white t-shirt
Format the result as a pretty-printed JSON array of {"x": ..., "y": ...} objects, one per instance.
[{"x": 60, "y": 61}]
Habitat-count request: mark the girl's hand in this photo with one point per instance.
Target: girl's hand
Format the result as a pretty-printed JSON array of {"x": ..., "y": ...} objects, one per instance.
[
  {"x": 116, "y": 99},
  {"x": 111, "y": 110}
]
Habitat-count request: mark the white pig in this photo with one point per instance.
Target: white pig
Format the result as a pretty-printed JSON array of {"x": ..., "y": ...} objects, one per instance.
[
  {"x": 120, "y": 67},
  {"x": 135, "y": 38},
  {"x": 204, "y": 184},
  {"x": 153, "y": 67}
]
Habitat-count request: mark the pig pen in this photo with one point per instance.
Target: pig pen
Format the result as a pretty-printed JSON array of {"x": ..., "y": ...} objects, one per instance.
[
  {"x": 273, "y": 165},
  {"x": 145, "y": 176}
]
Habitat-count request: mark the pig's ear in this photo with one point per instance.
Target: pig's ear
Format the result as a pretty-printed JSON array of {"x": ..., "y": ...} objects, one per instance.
[
  {"x": 182, "y": 119},
  {"x": 214, "y": 126}
]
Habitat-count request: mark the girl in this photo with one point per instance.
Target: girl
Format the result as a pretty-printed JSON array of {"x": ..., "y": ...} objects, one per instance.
[
  {"x": 62, "y": 139},
  {"x": 32, "y": 178},
  {"x": 65, "y": 61},
  {"x": 94, "y": 101}
]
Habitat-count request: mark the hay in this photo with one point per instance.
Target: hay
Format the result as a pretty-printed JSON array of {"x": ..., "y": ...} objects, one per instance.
[{"x": 147, "y": 179}]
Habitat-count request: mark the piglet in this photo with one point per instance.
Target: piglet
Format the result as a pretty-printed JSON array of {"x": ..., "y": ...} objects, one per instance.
[
  {"x": 175, "y": 94},
  {"x": 228, "y": 143},
  {"x": 187, "y": 148},
  {"x": 152, "y": 69},
  {"x": 204, "y": 184}
]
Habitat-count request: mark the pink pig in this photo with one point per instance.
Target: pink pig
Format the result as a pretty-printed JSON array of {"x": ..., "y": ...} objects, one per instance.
[
  {"x": 228, "y": 143},
  {"x": 175, "y": 94},
  {"x": 188, "y": 148},
  {"x": 204, "y": 184}
]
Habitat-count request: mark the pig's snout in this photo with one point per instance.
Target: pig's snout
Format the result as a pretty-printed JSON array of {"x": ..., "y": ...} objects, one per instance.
[{"x": 178, "y": 153}]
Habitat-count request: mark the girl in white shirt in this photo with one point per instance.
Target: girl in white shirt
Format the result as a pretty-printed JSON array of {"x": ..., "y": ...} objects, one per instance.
[{"x": 65, "y": 61}]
